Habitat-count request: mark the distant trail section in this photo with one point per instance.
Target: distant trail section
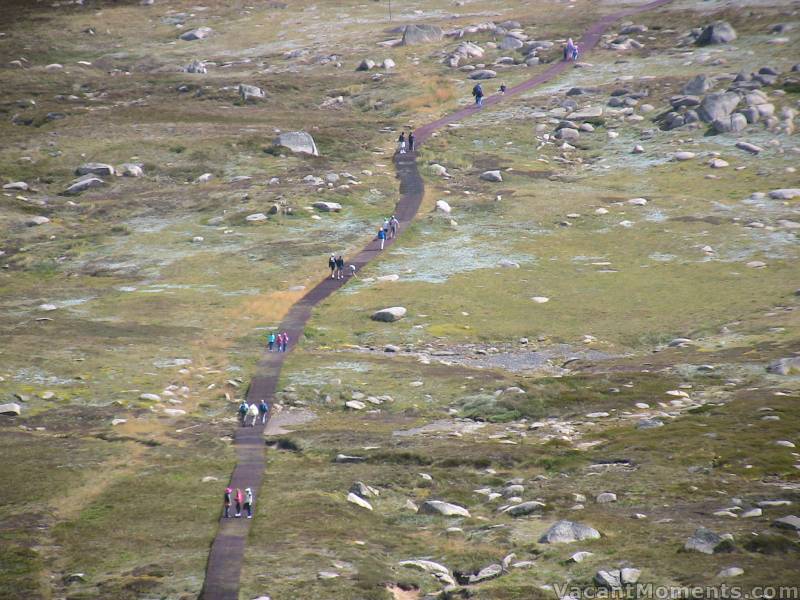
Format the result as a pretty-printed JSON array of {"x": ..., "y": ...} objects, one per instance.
[{"x": 227, "y": 550}]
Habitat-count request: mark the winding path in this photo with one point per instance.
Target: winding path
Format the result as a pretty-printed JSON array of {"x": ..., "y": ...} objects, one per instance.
[{"x": 227, "y": 550}]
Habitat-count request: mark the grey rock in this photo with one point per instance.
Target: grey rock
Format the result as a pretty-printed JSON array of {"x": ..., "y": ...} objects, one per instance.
[
  {"x": 18, "y": 186},
  {"x": 11, "y": 409},
  {"x": 564, "y": 532},
  {"x": 389, "y": 315},
  {"x": 748, "y": 147},
  {"x": 790, "y": 522},
  {"x": 568, "y": 134},
  {"x": 510, "y": 43},
  {"x": 359, "y": 488},
  {"x": 197, "y": 34},
  {"x": 483, "y": 74},
  {"x": 785, "y": 366},
  {"x": 358, "y": 501},
  {"x": 606, "y": 497},
  {"x": 297, "y": 141},
  {"x": 649, "y": 424},
  {"x": 718, "y": 106},
  {"x": 249, "y": 93},
  {"x": 421, "y": 34},
  {"x": 437, "y": 507},
  {"x": 785, "y": 193},
  {"x": 524, "y": 508},
  {"x": 36, "y": 220},
  {"x": 485, "y": 574},
  {"x": 197, "y": 67},
  {"x": 491, "y": 176},
  {"x": 698, "y": 84},
  {"x": 719, "y": 32},
  {"x": 730, "y": 572},
  {"x": 95, "y": 169},
  {"x": 684, "y": 101},
  {"x": 83, "y": 184},
  {"x": 707, "y": 542},
  {"x": 130, "y": 170},
  {"x": 327, "y": 206},
  {"x": 366, "y": 65},
  {"x": 344, "y": 459}
]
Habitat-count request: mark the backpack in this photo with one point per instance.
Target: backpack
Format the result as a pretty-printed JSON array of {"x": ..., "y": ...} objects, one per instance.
[{"x": 477, "y": 91}]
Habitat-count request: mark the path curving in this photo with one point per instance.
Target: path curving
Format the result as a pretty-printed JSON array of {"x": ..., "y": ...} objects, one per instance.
[{"x": 227, "y": 550}]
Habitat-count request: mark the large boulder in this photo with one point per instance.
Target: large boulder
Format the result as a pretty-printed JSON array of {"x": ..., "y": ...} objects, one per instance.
[
  {"x": 525, "y": 508},
  {"x": 421, "y": 34},
  {"x": 251, "y": 92},
  {"x": 718, "y": 106},
  {"x": 11, "y": 409},
  {"x": 437, "y": 507},
  {"x": 197, "y": 34},
  {"x": 94, "y": 169},
  {"x": 83, "y": 184},
  {"x": 483, "y": 74},
  {"x": 510, "y": 43},
  {"x": 707, "y": 542},
  {"x": 565, "y": 532},
  {"x": 327, "y": 206},
  {"x": 785, "y": 366},
  {"x": 389, "y": 315},
  {"x": 492, "y": 176},
  {"x": 297, "y": 141},
  {"x": 719, "y": 32}
]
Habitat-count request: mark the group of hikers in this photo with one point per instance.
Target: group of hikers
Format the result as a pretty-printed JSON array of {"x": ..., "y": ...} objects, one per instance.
[
  {"x": 405, "y": 144},
  {"x": 242, "y": 500},
  {"x": 252, "y": 413},
  {"x": 278, "y": 342},
  {"x": 336, "y": 265},
  {"x": 571, "y": 50},
  {"x": 388, "y": 230}
]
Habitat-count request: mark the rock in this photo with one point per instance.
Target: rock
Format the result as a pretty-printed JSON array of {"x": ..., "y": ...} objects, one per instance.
[
  {"x": 611, "y": 580},
  {"x": 250, "y": 93},
  {"x": 483, "y": 74},
  {"x": 197, "y": 34},
  {"x": 84, "y": 183},
  {"x": 540, "y": 299},
  {"x": 421, "y": 34},
  {"x": 130, "y": 170},
  {"x": 492, "y": 176},
  {"x": 719, "y": 32},
  {"x": 567, "y": 134},
  {"x": 389, "y": 315},
  {"x": 790, "y": 522},
  {"x": 508, "y": 264},
  {"x": 443, "y": 206},
  {"x": 638, "y": 149},
  {"x": 437, "y": 507},
  {"x": 204, "y": 178},
  {"x": 638, "y": 201},
  {"x": 297, "y": 141},
  {"x": 95, "y": 169},
  {"x": 439, "y": 170},
  {"x": 256, "y": 218},
  {"x": 748, "y": 147},
  {"x": 565, "y": 532},
  {"x": 345, "y": 459},
  {"x": 524, "y": 508},
  {"x": 174, "y": 412},
  {"x": 718, "y": 106},
  {"x": 510, "y": 43},
  {"x": 19, "y": 186},
  {"x": 327, "y": 575},
  {"x": 606, "y": 497},
  {"x": 388, "y": 64},
  {"x": 580, "y": 556},
  {"x": 717, "y": 163},
  {"x": 362, "y": 489},
  {"x": 785, "y": 366},
  {"x": 355, "y": 405},
  {"x": 485, "y": 574},
  {"x": 365, "y": 65},
  {"x": 730, "y": 572},
  {"x": 11, "y": 409},
  {"x": 426, "y": 565},
  {"x": 150, "y": 397},
  {"x": 36, "y": 220},
  {"x": 683, "y": 155},
  {"x": 197, "y": 67},
  {"x": 327, "y": 206},
  {"x": 697, "y": 85},
  {"x": 649, "y": 424},
  {"x": 785, "y": 193},
  {"x": 707, "y": 542},
  {"x": 753, "y": 512},
  {"x": 358, "y": 501}
]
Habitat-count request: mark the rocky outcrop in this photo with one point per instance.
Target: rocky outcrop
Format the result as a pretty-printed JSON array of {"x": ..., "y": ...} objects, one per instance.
[
  {"x": 414, "y": 35},
  {"x": 297, "y": 141},
  {"x": 389, "y": 315}
]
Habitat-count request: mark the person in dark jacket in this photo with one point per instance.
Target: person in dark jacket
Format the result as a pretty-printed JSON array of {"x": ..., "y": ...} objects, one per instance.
[
  {"x": 477, "y": 91},
  {"x": 340, "y": 267},
  {"x": 410, "y": 141}
]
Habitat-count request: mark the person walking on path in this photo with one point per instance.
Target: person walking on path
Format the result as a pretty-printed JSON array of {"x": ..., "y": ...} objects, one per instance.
[
  {"x": 477, "y": 91},
  {"x": 263, "y": 410},
  {"x": 382, "y": 236},
  {"x": 238, "y": 503},
  {"x": 503, "y": 89},
  {"x": 248, "y": 502},
  {"x": 575, "y": 52},
  {"x": 226, "y": 502},
  {"x": 252, "y": 412},
  {"x": 271, "y": 341},
  {"x": 242, "y": 412},
  {"x": 410, "y": 141},
  {"x": 285, "y": 342},
  {"x": 394, "y": 224},
  {"x": 340, "y": 267},
  {"x": 332, "y": 265},
  {"x": 401, "y": 143}
]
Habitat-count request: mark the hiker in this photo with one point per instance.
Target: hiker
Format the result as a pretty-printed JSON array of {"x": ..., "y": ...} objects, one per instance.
[
  {"x": 382, "y": 237},
  {"x": 410, "y": 141},
  {"x": 271, "y": 341},
  {"x": 575, "y": 52},
  {"x": 252, "y": 412},
  {"x": 280, "y": 342},
  {"x": 238, "y": 503},
  {"x": 226, "y": 502},
  {"x": 569, "y": 49},
  {"x": 401, "y": 143},
  {"x": 242, "y": 412},
  {"x": 394, "y": 224},
  {"x": 263, "y": 410},
  {"x": 285, "y": 342},
  {"x": 248, "y": 502},
  {"x": 332, "y": 265},
  {"x": 340, "y": 266},
  {"x": 385, "y": 227},
  {"x": 503, "y": 88},
  {"x": 477, "y": 91}
]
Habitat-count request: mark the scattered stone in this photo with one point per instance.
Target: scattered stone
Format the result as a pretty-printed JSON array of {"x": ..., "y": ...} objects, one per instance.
[
  {"x": 785, "y": 366},
  {"x": 19, "y": 186},
  {"x": 345, "y": 459},
  {"x": 256, "y": 218},
  {"x": 327, "y": 575},
  {"x": 580, "y": 556},
  {"x": 606, "y": 497},
  {"x": 421, "y": 34},
  {"x": 297, "y": 141},
  {"x": 358, "y": 501},
  {"x": 683, "y": 155},
  {"x": 36, "y": 220},
  {"x": 719, "y": 32},
  {"x": 790, "y": 522},
  {"x": 365, "y": 65},
  {"x": 730, "y": 572},
  {"x": 362, "y": 489},
  {"x": 706, "y": 541},
  {"x": 492, "y": 176},
  {"x": 197, "y": 34},
  {"x": 327, "y": 206},
  {"x": 250, "y": 93},
  {"x": 698, "y": 84},
  {"x": 753, "y": 512},
  {"x": 355, "y": 405},
  {"x": 507, "y": 264},
  {"x": 564, "y": 532},
  {"x": 11, "y": 409},
  {"x": 717, "y": 163},
  {"x": 785, "y": 193},
  {"x": 389, "y": 315},
  {"x": 437, "y": 507},
  {"x": 525, "y": 508},
  {"x": 150, "y": 397},
  {"x": 748, "y": 147},
  {"x": 483, "y": 74},
  {"x": 443, "y": 206}
]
